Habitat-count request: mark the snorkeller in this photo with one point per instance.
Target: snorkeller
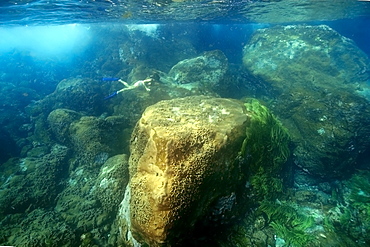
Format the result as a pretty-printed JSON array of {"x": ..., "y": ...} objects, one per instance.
[{"x": 140, "y": 83}]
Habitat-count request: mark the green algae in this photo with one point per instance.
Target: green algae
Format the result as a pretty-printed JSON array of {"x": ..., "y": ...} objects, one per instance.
[
  {"x": 288, "y": 222},
  {"x": 266, "y": 148},
  {"x": 360, "y": 188},
  {"x": 350, "y": 218},
  {"x": 360, "y": 199}
]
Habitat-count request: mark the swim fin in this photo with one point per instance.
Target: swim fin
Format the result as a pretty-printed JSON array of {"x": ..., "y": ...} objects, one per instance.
[
  {"x": 111, "y": 95},
  {"x": 110, "y": 79}
]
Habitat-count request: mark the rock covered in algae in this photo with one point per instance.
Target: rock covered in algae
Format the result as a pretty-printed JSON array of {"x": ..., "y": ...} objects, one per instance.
[
  {"x": 77, "y": 94},
  {"x": 207, "y": 69},
  {"x": 59, "y": 121},
  {"x": 34, "y": 181},
  {"x": 182, "y": 159},
  {"x": 112, "y": 178},
  {"x": 299, "y": 56},
  {"x": 95, "y": 139},
  {"x": 43, "y": 228},
  {"x": 319, "y": 80}
]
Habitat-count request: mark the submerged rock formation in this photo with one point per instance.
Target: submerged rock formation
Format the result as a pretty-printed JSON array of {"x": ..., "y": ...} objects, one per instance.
[
  {"x": 205, "y": 70},
  {"x": 182, "y": 160},
  {"x": 186, "y": 166},
  {"x": 112, "y": 178},
  {"x": 318, "y": 79}
]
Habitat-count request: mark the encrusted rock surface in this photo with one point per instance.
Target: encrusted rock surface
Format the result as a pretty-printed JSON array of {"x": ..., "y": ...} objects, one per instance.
[
  {"x": 318, "y": 79},
  {"x": 113, "y": 177},
  {"x": 182, "y": 159},
  {"x": 35, "y": 181},
  {"x": 59, "y": 121},
  {"x": 96, "y": 139},
  {"x": 206, "y": 69},
  {"x": 298, "y": 56}
]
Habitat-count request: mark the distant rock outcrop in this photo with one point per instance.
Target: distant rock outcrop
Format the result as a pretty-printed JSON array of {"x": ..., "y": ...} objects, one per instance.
[{"x": 205, "y": 70}]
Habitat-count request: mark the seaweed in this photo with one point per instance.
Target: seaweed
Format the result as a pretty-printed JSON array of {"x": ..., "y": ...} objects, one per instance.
[
  {"x": 352, "y": 216},
  {"x": 359, "y": 185},
  {"x": 265, "y": 152},
  {"x": 288, "y": 222},
  {"x": 265, "y": 185},
  {"x": 360, "y": 188},
  {"x": 266, "y": 149}
]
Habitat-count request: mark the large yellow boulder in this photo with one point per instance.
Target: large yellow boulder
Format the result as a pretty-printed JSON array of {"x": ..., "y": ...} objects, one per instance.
[{"x": 183, "y": 158}]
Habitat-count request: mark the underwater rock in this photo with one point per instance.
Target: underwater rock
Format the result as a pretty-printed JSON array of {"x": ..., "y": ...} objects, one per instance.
[
  {"x": 113, "y": 177},
  {"x": 95, "y": 139},
  {"x": 76, "y": 94},
  {"x": 297, "y": 56},
  {"x": 352, "y": 216},
  {"x": 132, "y": 103},
  {"x": 182, "y": 160},
  {"x": 90, "y": 200},
  {"x": 317, "y": 79},
  {"x": 59, "y": 121},
  {"x": 82, "y": 204},
  {"x": 79, "y": 205},
  {"x": 84, "y": 96},
  {"x": 79, "y": 95},
  {"x": 33, "y": 182},
  {"x": 42, "y": 228},
  {"x": 87, "y": 136},
  {"x": 205, "y": 70}
]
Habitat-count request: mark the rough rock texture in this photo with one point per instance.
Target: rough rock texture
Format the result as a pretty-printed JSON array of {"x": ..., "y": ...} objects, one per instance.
[
  {"x": 207, "y": 69},
  {"x": 32, "y": 182},
  {"x": 95, "y": 139},
  {"x": 305, "y": 56},
  {"x": 59, "y": 121},
  {"x": 90, "y": 201},
  {"x": 88, "y": 136},
  {"x": 42, "y": 228},
  {"x": 182, "y": 159},
  {"x": 81, "y": 95},
  {"x": 318, "y": 79},
  {"x": 112, "y": 178}
]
